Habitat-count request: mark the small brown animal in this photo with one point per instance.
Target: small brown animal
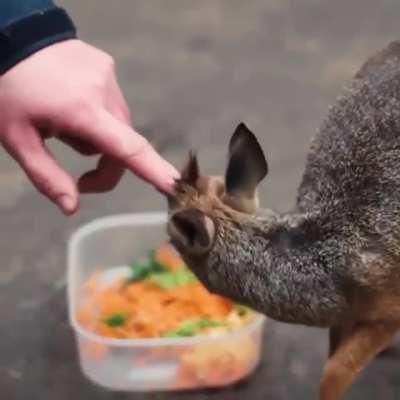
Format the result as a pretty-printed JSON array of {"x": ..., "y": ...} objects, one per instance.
[{"x": 334, "y": 260}]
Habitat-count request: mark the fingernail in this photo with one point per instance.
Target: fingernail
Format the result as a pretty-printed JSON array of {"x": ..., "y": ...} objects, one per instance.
[{"x": 66, "y": 203}]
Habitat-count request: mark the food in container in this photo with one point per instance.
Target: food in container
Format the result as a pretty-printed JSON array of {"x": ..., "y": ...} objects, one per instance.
[{"x": 151, "y": 325}]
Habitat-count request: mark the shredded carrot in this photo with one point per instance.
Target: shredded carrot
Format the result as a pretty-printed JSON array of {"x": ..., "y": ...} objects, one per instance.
[
  {"x": 148, "y": 310},
  {"x": 144, "y": 308},
  {"x": 167, "y": 256},
  {"x": 92, "y": 285},
  {"x": 217, "y": 364}
]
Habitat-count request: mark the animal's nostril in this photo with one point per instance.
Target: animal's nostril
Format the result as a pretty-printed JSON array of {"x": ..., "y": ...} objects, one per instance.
[
  {"x": 186, "y": 228},
  {"x": 192, "y": 230}
]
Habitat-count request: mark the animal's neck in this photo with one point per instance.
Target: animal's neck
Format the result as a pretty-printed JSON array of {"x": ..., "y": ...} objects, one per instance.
[{"x": 279, "y": 266}]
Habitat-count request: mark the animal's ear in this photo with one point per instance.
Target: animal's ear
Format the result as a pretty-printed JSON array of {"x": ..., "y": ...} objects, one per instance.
[
  {"x": 247, "y": 167},
  {"x": 191, "y": 231},
  {"x": 191, "y": 172},
  {"x": 190, "y": 175}
]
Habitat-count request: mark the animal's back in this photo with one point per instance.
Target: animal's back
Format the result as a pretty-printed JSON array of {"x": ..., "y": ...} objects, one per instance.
[{"x": 352, "y": 175}]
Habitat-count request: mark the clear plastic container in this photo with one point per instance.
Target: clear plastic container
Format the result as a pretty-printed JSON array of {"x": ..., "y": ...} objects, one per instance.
[{"x": 148, "y": 364}]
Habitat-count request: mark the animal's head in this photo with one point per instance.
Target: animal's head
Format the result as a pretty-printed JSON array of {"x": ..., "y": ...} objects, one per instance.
[{"x": 200, "y": 202}]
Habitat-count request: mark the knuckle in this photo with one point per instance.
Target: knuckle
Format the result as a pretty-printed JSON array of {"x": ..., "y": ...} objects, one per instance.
[
  {"x": 109, "y": 61},
  {"x": 82, "y": 105},
  {"x": 106, "y": 61},
  {"x": 79, "y": 112}
]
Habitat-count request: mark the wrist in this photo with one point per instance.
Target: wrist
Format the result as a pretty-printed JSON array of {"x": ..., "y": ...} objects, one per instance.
[{"x": 22, "y": 38}]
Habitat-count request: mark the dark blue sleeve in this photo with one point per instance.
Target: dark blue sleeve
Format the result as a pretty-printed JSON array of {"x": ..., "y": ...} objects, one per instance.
[{"x": 27, "y": 26}]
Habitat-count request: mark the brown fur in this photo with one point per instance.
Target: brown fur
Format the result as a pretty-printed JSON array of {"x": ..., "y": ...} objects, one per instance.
[
  {"x": 335, "y": 261},
  {"x": 371, "y": 325}
]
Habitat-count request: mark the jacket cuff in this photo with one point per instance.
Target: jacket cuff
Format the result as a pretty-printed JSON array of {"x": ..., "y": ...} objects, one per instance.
[{"x": 24, "y": 37}]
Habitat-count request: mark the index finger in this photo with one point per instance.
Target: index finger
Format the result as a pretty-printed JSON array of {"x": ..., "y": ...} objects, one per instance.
[{"x": 120, "y": 141}]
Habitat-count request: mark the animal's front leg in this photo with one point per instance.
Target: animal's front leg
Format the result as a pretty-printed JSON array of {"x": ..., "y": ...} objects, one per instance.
[
  {"x": 353, "y": 352},
  {"x": 334, "y": 339},
  {"x": 336, "y": 335}
]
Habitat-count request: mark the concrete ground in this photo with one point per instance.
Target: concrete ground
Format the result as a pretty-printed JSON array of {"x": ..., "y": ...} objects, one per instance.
[{"x": 191, "y": 71}]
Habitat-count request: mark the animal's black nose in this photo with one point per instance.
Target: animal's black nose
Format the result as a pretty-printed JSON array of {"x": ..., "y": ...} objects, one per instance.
[{"x": 191, "y": 231}]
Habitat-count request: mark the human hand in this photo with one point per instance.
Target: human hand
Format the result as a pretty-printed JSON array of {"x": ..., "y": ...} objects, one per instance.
[{"x": 69, "y": 91}]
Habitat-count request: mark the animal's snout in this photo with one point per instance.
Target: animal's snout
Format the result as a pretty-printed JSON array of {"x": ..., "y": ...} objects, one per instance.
[{"x": 191, "y": 231}]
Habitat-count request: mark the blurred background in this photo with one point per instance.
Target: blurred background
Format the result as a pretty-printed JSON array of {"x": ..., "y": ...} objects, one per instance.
[{"x": 191, "y": 71}]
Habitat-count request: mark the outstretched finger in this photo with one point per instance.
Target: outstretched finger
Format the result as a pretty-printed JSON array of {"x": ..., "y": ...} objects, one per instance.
[
  {"x": 108, "y": 171},
  {"x": 116, "y": 139}
]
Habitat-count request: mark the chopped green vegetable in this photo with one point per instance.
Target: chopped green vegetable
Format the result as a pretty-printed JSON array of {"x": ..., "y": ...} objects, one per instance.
[
  {"x": 171, "y": 280},
  {"x": 116, "y": 320},
  {"x": 164, "y": 280},
  {"x": 139, "y": 271},
  {"x": 191, "y": 328},
  {"x": 142, "y": 269},
  {"x": 185, "y": 277},
  {"x": 159, "y": 275},
  {"x": 155, "y": 266}
]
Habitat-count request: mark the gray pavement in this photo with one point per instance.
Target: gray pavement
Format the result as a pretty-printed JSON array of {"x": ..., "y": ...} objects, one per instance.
[{"x": 191, "y": 71}]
